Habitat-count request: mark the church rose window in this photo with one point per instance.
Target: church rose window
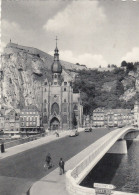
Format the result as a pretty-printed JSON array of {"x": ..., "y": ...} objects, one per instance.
[{"x": 55, "y": 108}]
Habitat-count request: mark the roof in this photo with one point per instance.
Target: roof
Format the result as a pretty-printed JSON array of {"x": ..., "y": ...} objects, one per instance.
[
  {"x": 30, "y": 108},
  {"x": 118, "y": 111}
]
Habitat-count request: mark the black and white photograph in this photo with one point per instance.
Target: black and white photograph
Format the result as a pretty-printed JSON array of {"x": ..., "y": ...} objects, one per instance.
[{"x": 69, "y": 97}]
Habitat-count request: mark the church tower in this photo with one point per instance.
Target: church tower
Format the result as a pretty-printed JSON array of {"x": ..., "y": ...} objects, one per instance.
[
  {"x": 56, "y": 68},
  {"x": 59, "y": 101}
]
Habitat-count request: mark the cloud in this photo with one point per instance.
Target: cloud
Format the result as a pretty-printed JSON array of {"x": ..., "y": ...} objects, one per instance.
[
  {"x": 88, "y": 59},
  {"x": 17, "y": 34},
  {"x": 132, "y": 56},
  {"x": 10, "y": 29},
  {"x": 79, "y": 17}
]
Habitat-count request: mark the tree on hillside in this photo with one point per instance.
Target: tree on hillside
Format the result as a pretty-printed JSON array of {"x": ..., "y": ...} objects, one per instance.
[{"x": 124, "y": 64}]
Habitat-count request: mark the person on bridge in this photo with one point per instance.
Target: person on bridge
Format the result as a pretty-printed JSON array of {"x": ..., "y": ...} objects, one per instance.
[
  {"x": 48, "y": 160},
  {"x": 61, "y": 166}
]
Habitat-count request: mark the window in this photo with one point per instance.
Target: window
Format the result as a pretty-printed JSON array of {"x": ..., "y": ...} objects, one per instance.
[
  {"x": 55, "y": 108},
  {"x": 64, "y": 89},
  {"x": 55, "y": 76},
  {"x": 45, "y": 119},
  {"x": 75, "y": 107},
  {"x": 65, "y": 109},
  {"x": 65, "y": 83},
  {"x": 55, "y": 83},
  {"x": 64, "y": 100},
  {"x": 64, "y": 119},
  {"x": 45, "y": 101},
  {"x": 45, "y": 83},
  {"x": 45, "y": 90},
  {"x": 44, "y": 109}
]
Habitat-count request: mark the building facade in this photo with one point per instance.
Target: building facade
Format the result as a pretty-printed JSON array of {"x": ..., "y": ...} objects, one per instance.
[
  {"x": 30, "y": 119},
  {"x": 59, "y": 101},
  {"x": 12, "y": 120},
  {"x": 113, "y": 117},
  {"x": 136, "y": 113},
  {"x": 1, "y": 121}
]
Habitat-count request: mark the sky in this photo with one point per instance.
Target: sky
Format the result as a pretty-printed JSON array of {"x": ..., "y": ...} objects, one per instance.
[{"x": 90, "y": 32}]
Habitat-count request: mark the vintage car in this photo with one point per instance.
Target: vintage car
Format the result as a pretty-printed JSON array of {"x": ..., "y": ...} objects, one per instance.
[
  {"x": 74, "y": 133},
  {"x": 89, "y": 129}
]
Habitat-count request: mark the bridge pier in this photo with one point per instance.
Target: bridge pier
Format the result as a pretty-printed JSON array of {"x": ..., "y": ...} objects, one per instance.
[{"x": 120, "y": 147}]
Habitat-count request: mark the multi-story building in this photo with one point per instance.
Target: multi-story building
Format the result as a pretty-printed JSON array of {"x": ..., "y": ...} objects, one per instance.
[
  {"x": 59, "y": 101},
  {"x": 136, "y": 113},
  {"x": 98, "y": 117},
  {"x": 12, "y": 122},
  {"x": 112, "y": 117},
  {"x": 30, "y": 119},
  {"x": 1, "y": 121}
]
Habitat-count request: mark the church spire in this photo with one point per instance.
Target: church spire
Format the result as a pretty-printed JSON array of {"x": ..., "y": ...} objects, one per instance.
[
  {"x": 56, "y": 66},
  {"x": 56, "y": 49}
]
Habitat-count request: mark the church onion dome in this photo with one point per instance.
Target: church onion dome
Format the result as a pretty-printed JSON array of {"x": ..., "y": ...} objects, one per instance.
[{"x": 56, "y": 66}]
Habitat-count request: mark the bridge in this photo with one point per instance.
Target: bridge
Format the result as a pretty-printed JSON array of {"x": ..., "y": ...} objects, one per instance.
[{"x": 113, "y": 142}]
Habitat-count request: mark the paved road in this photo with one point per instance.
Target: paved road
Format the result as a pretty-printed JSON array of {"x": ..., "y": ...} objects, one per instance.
[{"x": 19, "y": 172}]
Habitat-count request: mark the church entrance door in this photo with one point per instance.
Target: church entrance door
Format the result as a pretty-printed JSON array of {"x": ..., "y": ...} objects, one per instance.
[{"x": 54, "y": 124}]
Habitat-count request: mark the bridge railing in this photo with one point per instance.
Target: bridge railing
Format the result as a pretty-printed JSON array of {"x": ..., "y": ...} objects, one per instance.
[{"x": 99, "y": 146}]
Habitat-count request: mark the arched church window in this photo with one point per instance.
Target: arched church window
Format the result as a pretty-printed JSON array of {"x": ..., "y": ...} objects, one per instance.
[
  {"x": 55, "y": 76},
  {"x": 45, "y": 101},
  {"x": 64, "y": 89},
  {"x": 45, "y": 83},
  {"x": 55, "y": 108},
  {"x": 44, "y": 109},
  {"x": 64, "y": 100},
  {"x": 64, "y": 119}
]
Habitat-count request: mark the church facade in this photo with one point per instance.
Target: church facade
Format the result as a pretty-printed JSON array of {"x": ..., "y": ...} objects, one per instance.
[{"x": 60, "y": 104}]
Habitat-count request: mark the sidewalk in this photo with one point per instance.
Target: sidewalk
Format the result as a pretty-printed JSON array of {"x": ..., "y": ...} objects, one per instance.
[
  {"x": 32, "y": 144},
  {"x": 55, "y": 184}
]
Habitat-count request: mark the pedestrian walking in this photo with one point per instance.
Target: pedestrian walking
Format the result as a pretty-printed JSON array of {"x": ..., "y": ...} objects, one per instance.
[
  {"x": 48, "y": 161},
  {"x": 61, "y": 166}
]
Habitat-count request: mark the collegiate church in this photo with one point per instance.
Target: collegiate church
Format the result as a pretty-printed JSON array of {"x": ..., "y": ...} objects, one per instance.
[{"x": 60, "y": 104}]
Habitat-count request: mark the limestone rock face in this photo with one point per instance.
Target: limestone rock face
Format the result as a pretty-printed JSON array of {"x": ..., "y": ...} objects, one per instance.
[
  {"x": 24, "y": 70},
  {"x": 131, "y": 85}
]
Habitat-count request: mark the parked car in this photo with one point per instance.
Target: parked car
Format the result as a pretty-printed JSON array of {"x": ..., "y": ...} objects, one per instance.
[
  {"x": 88, "y": 129},
  {"x": 74, "y": 133}
]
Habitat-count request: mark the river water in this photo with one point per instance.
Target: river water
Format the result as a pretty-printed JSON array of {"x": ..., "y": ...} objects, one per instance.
[{"x": 121, "y": 170}]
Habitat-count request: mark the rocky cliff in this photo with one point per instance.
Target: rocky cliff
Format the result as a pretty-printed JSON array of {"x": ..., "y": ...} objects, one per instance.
[{"x": 23, "y": 71}]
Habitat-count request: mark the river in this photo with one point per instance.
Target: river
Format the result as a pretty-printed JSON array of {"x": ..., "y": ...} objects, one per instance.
[{"x": 121, "y": 170}]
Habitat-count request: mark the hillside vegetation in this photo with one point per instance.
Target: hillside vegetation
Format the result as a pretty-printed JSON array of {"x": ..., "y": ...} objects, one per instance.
[{"x": 107, "y": 89}]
